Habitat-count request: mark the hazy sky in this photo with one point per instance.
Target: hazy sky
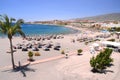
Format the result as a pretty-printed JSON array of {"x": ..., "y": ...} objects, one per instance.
[{"x": 31, "y": 10}]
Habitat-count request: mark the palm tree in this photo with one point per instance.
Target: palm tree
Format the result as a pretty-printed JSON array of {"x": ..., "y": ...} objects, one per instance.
[{"x": 9, "y": 28}]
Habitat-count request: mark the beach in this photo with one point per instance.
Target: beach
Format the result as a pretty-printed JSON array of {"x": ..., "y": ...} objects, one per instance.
[{"x": 52, "y": 65}]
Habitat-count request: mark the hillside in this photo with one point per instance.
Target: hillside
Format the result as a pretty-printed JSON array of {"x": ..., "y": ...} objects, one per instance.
[
  {"x": 99, "y": 18},
  {"x": 105, "y": 17}
]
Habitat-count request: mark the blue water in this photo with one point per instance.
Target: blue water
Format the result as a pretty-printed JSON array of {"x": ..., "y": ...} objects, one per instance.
[{"x": 38, "y": 29}]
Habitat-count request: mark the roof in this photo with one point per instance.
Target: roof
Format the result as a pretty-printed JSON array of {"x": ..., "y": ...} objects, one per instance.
[{"x": 117, "y": 44}]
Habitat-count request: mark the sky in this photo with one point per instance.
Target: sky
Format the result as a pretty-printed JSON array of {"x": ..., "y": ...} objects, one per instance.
[{"x": 40, "y": 10}]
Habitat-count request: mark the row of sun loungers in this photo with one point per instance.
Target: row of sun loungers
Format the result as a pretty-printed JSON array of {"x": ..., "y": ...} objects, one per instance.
[
  {"x": 36, "y": 47},
  {"x": 38, "y": 38},
  {"x": 90, "y": 39}
]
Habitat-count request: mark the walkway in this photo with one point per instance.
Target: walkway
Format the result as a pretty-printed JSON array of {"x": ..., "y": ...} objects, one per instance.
[{"x": 43, "y": 60}]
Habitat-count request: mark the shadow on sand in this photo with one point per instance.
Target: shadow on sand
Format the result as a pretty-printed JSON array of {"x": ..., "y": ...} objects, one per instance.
[
  {"x": 21, "y": 68},
  {"x": 103, "y": 71}
]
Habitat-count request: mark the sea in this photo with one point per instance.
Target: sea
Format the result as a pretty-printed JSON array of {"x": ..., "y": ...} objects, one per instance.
[{"x": 40, "y": 29}]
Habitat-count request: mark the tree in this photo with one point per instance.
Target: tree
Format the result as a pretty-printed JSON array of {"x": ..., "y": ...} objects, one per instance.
[
  {"x": 79, "y": 51},
  {"x": 9, "y": 28},
  {"x": 30, "y": 55},
  {"x": 101, "y": 61}
]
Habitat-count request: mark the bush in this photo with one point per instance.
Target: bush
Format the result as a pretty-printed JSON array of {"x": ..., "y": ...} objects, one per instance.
[
  {"x": 101, "y": 61},
  {"x": 30, "y": 54},
  {"x": 62, "y": 52},
  {"x": 79, "y": 51},
  {"x": 37, "y": 54},
  {"x": 113, "y": 40}
]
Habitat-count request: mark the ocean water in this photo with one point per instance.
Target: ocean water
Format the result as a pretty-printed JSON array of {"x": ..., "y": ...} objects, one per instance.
[{"x": 39, "y": 29}]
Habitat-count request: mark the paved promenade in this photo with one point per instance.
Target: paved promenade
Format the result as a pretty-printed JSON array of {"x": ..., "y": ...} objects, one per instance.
[{"x": 41, "y": 61}]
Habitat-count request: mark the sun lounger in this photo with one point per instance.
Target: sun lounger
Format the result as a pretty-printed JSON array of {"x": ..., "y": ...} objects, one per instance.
[
  {"x": 35, "y": 49},
  {"x": 57, "y": 46},
  {"x": 24, "y": 48},
  {"x": 46, "y": 48}
]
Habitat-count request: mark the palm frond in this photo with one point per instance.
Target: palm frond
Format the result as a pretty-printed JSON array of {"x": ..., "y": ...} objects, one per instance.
[
  {"x": 20, "y": 21},
  {"x": 3, "y": 27},
  {"x": 21, "y": 32},
  {"x": 1, "y": 18},
  {"x": 6, "y": 26},
  {"x": 12, "y": 19},
  {"x": 7, "y": 21},
  {"x": 16, "y": 29}
]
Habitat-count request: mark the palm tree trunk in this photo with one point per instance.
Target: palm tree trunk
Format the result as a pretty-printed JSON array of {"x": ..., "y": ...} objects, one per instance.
[{"x": 12, "y": 57}]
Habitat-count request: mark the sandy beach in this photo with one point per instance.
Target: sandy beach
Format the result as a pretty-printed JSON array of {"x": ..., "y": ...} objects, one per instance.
[{"x": 74, "y": 68}]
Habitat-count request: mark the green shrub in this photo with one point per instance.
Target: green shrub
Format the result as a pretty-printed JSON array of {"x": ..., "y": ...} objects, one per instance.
[
  {"x": 101, "y": 61},
  {"x": 79, "y": 51},
  {"x": 30, "y": 54}
]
